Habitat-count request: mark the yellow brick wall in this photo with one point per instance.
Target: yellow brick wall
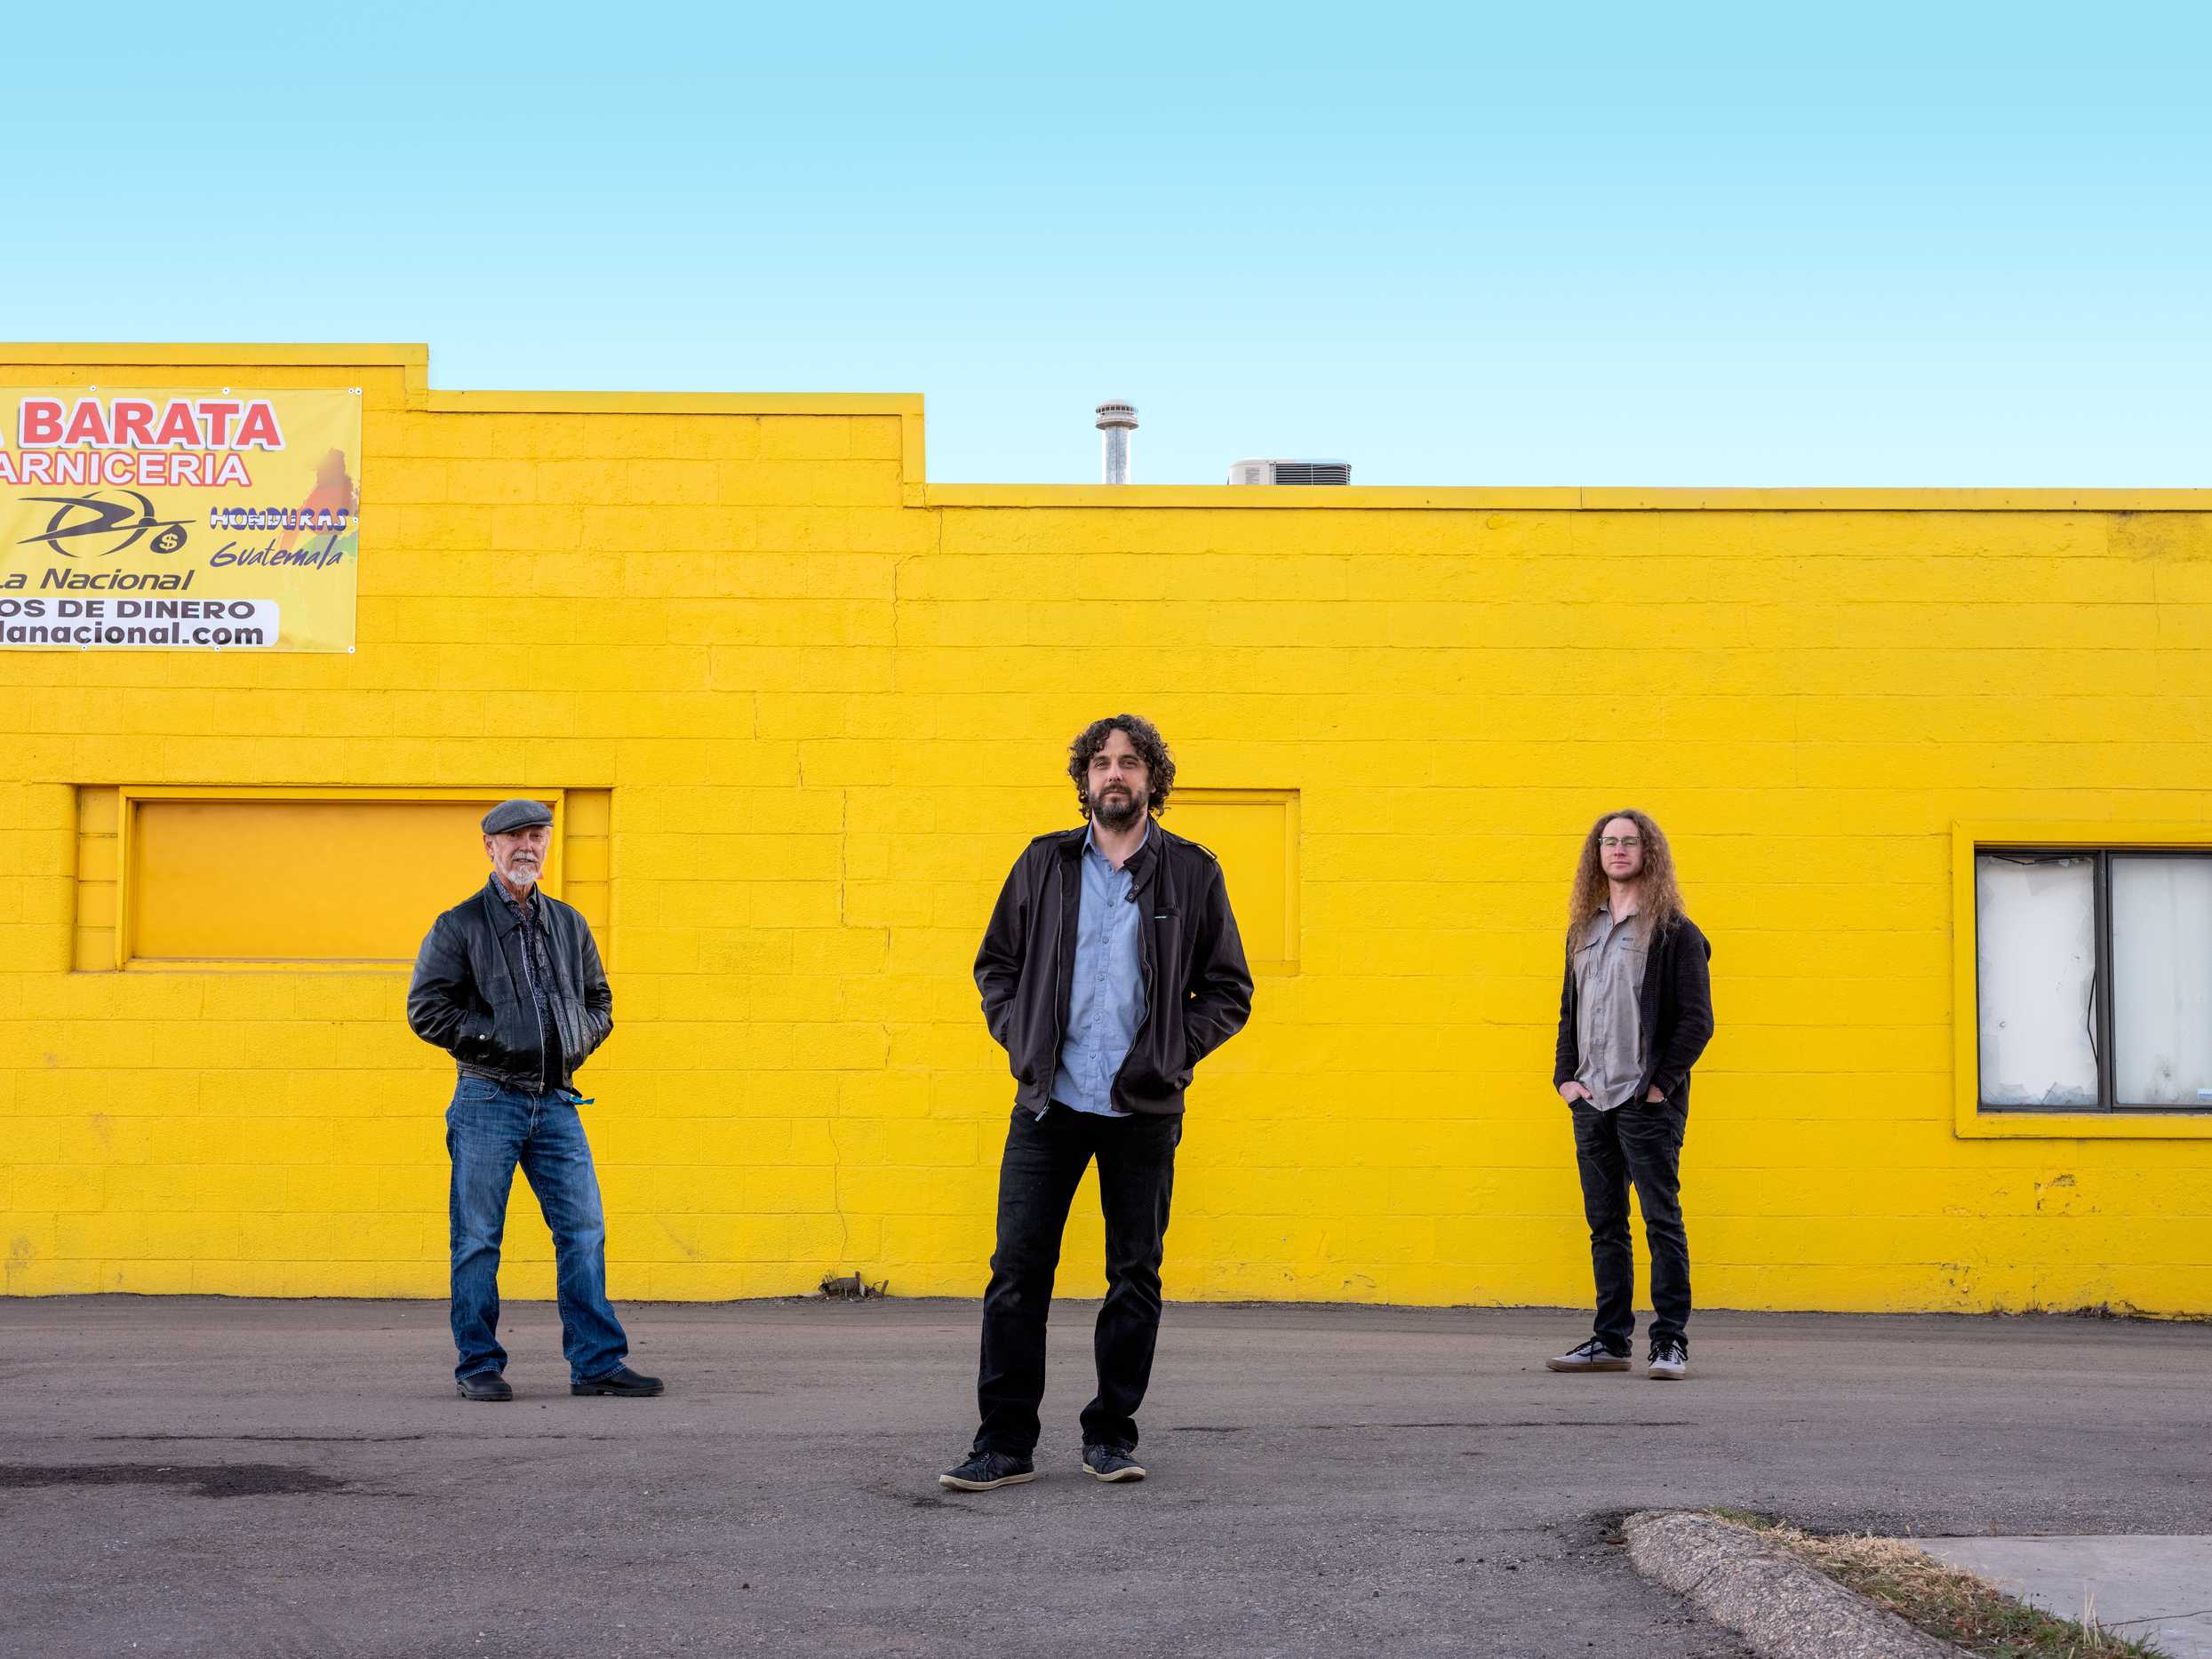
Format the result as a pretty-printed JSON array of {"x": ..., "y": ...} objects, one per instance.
[{"x": 829, "y": 702}]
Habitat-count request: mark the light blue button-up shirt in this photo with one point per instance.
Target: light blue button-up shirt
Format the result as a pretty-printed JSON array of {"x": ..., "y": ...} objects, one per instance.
[{"x": 1108, "y": 1003}]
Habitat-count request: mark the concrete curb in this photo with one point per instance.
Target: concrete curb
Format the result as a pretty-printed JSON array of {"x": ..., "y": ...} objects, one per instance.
[{"x": 1786, "y": 1608}]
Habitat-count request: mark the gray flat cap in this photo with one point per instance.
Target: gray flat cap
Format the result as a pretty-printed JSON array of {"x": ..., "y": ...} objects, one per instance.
[{"x": 510, "y": 816}]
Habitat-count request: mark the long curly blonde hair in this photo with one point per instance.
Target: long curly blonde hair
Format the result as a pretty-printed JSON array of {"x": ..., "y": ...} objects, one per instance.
[{"x": 1659, "y": 900}]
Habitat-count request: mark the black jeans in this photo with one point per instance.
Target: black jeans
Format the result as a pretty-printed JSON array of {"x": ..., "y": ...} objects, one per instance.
[
  {"x": 1045, "y": 1157},
  {"x": 1640, "y": 1142}
]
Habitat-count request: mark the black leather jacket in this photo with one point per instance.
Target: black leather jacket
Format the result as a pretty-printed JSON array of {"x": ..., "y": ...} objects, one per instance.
[
  {"x": 1198, "y": 991},
  {"x": 469, "y": 997}
]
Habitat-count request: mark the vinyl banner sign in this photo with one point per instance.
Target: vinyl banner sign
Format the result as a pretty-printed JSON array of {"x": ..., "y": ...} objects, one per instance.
[{"x": 179, "y": 520}]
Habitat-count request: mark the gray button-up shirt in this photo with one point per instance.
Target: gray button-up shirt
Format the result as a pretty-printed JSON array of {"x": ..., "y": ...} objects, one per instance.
[
  {"x": 1608, "y": 1034},
  {"x": 1108, "y": 1003}
]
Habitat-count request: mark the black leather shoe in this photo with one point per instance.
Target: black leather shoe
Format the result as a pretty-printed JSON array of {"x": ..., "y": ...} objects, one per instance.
[
  {"x": 483, "y": 1385},
  {"x": 986, "y": 1472},
  {"x": 1112, "y": 1463},
  {"x": 621, "y": 1381}
]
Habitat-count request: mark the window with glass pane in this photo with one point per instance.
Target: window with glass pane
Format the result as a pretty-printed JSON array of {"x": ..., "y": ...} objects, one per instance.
[
  {"x": 2161, "y": 952},
  {"x": 2035, "y": 939}
]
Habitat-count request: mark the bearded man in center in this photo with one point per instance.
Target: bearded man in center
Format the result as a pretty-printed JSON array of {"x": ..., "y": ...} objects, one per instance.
[{"x": 1110, "y": 969}]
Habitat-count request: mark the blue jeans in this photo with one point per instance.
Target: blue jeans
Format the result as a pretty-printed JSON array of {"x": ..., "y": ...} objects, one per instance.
[{"x": 488, "y": 1130}]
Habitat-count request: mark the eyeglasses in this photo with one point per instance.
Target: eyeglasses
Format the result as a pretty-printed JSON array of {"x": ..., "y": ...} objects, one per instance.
[{"x": 1622, "y": 841}]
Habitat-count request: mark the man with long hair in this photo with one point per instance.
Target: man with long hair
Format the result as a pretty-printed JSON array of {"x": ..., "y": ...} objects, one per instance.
[
  {"x": 1111, "y": 967},
  {"x": 1634, "y": 1013}
]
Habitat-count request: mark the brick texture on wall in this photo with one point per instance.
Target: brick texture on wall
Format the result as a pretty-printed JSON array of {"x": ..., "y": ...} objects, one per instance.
[{"x": 812, "y": 707}]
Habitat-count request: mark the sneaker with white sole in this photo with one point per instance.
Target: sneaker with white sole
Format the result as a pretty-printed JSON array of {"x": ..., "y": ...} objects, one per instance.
[
  {"x": 986, "y": 1472},
  {"x": 1592, "y": 1356},
  {"x": 1112, "y": 1463},
  {"x": 1670, "y": 1362}
]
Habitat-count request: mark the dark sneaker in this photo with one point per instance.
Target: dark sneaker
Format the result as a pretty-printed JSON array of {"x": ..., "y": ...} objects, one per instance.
[
  {"x": 483, "y": 1385},
  {"x": 1592, "y": 1356},
  {"x": 621, "y": 1381},
  {"x": 1112, "y": 1463},
  {"x": 1670, "y": 1362},
  {"x": 986, "y": 1472}
]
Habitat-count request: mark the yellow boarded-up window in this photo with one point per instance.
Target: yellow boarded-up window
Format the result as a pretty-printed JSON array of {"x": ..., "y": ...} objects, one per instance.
[
  {"x": 1254, "y": 835},
  {"x": 248, "y": 876}
]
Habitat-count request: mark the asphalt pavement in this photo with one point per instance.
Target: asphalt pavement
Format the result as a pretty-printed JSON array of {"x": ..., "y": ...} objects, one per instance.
[{"x": 245, "y": 1477}]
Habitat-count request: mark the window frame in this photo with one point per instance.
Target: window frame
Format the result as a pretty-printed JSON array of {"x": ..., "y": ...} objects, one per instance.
[
  {"x": 1261, "y": 961},
  {"x": 129, "y": 796},
  {"x": 2110, "y": 1118}
]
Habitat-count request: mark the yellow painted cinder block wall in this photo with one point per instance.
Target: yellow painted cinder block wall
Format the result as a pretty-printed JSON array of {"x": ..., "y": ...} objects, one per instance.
[{"x": 818, "y": 705}]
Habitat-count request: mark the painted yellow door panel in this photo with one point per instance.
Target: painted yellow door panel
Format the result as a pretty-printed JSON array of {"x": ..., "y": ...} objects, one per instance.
[{"x": 316, "y": 881}]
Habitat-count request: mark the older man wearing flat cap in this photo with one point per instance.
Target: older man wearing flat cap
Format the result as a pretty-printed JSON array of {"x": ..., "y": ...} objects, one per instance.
[{"x": 510, "y": 984}]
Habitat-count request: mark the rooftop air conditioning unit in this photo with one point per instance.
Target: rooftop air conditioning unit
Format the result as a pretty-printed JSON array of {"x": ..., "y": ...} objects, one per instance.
[{"x": 1290, "y": 472}]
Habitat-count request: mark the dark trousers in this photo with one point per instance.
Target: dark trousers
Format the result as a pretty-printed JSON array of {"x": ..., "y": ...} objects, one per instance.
[
  {"x": 1640, "y": 1142},
  {"x": 1045, "y": 1159}
]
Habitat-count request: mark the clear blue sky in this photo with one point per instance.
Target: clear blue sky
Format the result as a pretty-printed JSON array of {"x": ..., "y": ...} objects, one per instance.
[{"x": 1864, "y": 244}]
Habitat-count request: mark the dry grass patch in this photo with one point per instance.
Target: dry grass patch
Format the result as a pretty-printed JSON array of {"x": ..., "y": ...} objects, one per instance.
[{"x": 1944, "y": 1601}]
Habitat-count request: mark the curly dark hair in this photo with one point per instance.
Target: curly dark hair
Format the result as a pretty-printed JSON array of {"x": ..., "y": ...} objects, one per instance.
[{"x": 1144, "y": 736}]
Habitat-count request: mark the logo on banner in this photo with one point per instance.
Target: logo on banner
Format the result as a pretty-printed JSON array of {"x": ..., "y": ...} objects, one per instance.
[
  {"x": 67, "y": 531},
  {"x": 179, "y": 518}
]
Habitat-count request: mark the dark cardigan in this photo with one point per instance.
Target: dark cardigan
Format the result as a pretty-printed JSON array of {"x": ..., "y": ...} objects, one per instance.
[{"x": 1676, "y": 1009}]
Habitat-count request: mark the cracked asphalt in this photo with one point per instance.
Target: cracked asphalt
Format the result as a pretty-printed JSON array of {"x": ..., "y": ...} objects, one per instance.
[{"x": 201, "y": 1476}]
